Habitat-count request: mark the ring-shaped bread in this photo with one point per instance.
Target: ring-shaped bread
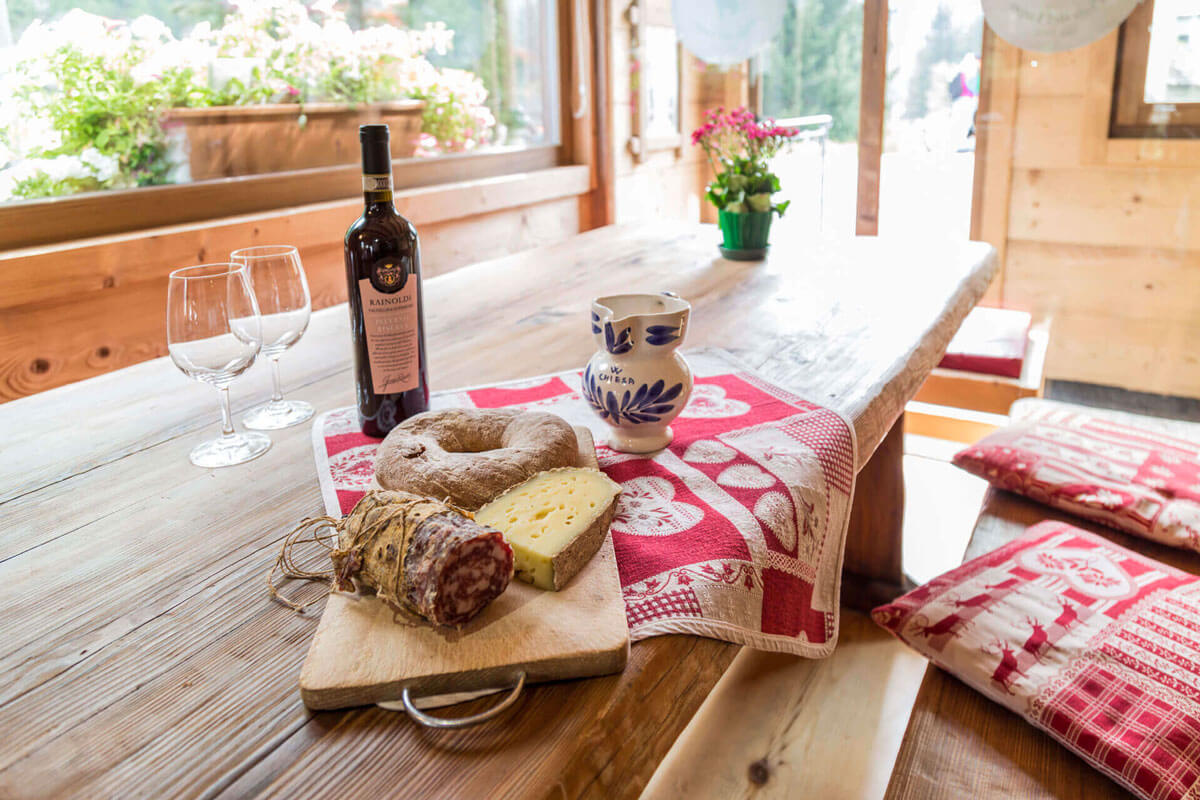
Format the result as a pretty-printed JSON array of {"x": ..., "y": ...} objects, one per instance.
[{"x": 468, "y": 456}]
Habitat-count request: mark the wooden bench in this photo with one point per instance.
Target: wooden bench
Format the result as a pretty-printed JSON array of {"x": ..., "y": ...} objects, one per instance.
[{"x": 959, "y": 744}]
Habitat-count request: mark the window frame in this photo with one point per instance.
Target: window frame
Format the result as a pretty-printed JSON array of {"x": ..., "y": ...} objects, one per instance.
[
  {"x": 1132, "y": 116},
  {"x": 31, "y": 223}
]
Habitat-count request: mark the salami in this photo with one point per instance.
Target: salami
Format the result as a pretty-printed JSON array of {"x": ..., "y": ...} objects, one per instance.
[{"x": 421, "y": 556}]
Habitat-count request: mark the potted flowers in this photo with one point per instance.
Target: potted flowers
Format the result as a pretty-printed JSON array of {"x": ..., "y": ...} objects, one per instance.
[
  {"x": 739, "y": 147},
  {"x": 90, "y": 103}
]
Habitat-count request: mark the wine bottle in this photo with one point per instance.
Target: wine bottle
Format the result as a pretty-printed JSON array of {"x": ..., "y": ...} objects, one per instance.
[{"x": 387, "y": 318}]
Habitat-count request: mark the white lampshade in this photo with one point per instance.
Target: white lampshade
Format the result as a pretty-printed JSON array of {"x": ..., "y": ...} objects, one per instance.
[
  {"x": 726, "y": 31},
  {"x": 1050, "y": 26}
]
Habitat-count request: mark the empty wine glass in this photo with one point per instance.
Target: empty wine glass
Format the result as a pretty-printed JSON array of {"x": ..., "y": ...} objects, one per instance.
[
  {"x": 283, "y": 302},
  {"x": 213, "y": 334}
]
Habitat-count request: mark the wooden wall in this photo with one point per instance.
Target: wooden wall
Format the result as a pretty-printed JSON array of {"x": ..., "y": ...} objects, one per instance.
[
  {"x": 74, "y": 310},
  {"x": 1101, "y": 234}
]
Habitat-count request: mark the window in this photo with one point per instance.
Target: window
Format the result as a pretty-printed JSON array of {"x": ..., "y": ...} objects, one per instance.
[
  {"x": 1158, "y": 72},
  {"x": 189, "y": 111}
]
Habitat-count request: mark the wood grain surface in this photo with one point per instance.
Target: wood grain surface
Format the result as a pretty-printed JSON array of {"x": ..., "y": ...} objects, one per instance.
[
  {"x": 360, "y": 655},
  {"x": 778, "y": 727},
  {"x": 960, "y": 744},
  {"x": 141, "y": 655}
]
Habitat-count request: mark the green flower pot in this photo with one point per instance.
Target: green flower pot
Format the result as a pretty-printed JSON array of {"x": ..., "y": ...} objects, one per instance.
[{"x": 746, "y": 234}]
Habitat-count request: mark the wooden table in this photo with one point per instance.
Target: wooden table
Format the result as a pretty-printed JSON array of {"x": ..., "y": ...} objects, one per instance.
[{"x": 141, "y": 655}]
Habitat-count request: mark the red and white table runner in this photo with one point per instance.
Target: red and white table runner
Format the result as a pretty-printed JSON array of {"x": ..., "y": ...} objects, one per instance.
[
  {"x": 1093, "y": 643},
  {"x": 736, "y": 531}
]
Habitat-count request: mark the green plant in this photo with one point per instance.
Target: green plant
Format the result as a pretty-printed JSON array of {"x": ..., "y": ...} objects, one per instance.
[
  {"x": 739, "y": 148},
  {"x": 81, "y": 108}
]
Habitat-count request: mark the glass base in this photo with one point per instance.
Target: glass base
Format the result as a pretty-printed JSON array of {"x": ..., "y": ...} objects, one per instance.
[
  {"x": 227, "y": 451},
  {"x": 276, "y": 415}
]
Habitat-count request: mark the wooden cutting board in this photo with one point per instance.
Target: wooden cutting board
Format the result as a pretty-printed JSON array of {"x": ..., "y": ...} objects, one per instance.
[{"x": 364, "y": 653}]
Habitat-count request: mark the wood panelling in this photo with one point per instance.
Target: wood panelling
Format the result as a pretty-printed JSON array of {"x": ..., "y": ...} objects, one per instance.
[
  {"x": 1105, "y": 206},
  {"x": 77, "y": 310},
  {"x": 1049, "y": 132},
  {"x": 1053, "y": 74},
  {"x": 1100, "y": 234},
  {"x": 1121, "y": 281},
  {"x": 1139, "y": 354}
]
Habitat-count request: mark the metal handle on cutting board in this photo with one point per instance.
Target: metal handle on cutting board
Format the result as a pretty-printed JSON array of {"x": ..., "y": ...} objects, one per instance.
[{"x": 431, "y": 721}]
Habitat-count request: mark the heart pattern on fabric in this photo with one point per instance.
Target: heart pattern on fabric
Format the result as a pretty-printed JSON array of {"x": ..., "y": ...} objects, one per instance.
[
  {"x": 775, "y": 511},
  {"x": 709, "y": 401},
  {"x": 342, "y": 421},
  {"x": 353, "y": 469},
  {"x": 1087, "y": 571},
  {"x": 707, "y": 451},
  {"x": 745, "y": 476},
  {"x": 648, "y": 506}
]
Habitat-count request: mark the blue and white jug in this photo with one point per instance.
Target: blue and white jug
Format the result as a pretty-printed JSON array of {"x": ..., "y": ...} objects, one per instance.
[{"x": 636, "y": 381}]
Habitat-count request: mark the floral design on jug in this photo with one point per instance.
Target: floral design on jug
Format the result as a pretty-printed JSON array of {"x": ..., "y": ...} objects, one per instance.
[{"x": 647, "y": 404}]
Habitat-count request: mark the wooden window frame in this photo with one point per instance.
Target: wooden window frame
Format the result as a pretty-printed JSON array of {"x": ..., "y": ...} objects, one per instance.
[
  {"x": 45, "y": 221},
  {"x": 1132, "y": 116}
]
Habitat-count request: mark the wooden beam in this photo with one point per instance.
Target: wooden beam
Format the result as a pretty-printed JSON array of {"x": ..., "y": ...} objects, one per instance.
[
  {"x": 870, "y": 115},
  {"x": 995, "y": 129},
  {"x": 603, "y": 206}
]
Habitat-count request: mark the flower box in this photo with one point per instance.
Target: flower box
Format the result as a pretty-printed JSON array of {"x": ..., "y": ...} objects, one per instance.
[{"x": 228, "y": 141}]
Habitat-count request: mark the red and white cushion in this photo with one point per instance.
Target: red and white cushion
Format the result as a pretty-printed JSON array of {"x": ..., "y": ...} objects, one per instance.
[
  {"x": 991, "y": 341},
  {"x": 1094, "y": 644},
  {"x": 1134, "y": 479}
]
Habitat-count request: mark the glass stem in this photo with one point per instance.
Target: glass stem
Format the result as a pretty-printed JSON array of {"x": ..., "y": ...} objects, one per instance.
[
  {"x": 277, "y": 394},
  {"x": 226, "y": 414}
]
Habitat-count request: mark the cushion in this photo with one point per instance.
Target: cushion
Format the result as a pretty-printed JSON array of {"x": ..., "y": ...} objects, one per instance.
[
  {"x": 991, "y": 341},
  {"x": 1092, "y": 643},
  {"x": 1130, "y": 478}
]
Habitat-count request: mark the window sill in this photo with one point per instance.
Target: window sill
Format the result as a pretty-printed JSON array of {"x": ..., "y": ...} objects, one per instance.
[
  {"x": 50, "y": 272},
  {"x": 58, "y": 219}
]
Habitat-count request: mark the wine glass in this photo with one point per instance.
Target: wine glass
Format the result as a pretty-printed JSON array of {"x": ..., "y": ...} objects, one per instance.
[
  {"x": 283, "y": 301},
  {"x": 213, "y": 334}
]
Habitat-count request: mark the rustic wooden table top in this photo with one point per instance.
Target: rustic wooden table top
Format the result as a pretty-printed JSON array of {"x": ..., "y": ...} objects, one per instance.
[{"x": 140, "y": 653}]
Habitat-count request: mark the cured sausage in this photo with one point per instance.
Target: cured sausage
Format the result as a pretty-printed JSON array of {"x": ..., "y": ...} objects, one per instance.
[{"x": 421, "y": 556}]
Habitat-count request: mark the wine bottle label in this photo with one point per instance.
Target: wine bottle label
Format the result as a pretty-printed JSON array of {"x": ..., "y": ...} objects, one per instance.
[
  {"x": 393, "y": 336},
  {"x": 377, "y": 183}
]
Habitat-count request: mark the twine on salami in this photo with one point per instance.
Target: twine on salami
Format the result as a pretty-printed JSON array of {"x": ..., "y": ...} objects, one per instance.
[{"x": 399, "y": 545}]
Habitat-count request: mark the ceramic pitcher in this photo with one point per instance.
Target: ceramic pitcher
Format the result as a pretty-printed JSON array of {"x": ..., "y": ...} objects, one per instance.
[{"x": 636, "y": 381}]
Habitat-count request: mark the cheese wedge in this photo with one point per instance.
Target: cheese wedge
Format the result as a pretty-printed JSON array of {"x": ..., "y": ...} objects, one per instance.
[{"x": 554, "y": 521}]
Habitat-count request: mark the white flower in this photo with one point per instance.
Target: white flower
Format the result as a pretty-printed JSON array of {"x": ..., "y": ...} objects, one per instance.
[
  {"x": 104, "y": 168},
  {"x": 227, "y": 69},
  {"x": 150, "y": 30}
]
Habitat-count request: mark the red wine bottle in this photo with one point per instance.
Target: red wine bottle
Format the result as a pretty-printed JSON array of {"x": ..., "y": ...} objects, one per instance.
[{"x": 387, "y": 318}]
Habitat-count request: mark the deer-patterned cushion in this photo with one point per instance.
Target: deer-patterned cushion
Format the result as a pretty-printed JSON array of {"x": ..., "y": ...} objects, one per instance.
[
  {"x": 1094, "y": 644},
  {"x": 1134, "y": 479}
]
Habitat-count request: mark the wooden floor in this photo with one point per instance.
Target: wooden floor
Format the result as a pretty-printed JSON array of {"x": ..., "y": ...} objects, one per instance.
[{"x": 777, "y": 726}]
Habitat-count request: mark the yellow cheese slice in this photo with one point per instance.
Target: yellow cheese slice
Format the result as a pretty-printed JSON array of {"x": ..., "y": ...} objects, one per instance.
[{"x": 554, "y": 521}]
